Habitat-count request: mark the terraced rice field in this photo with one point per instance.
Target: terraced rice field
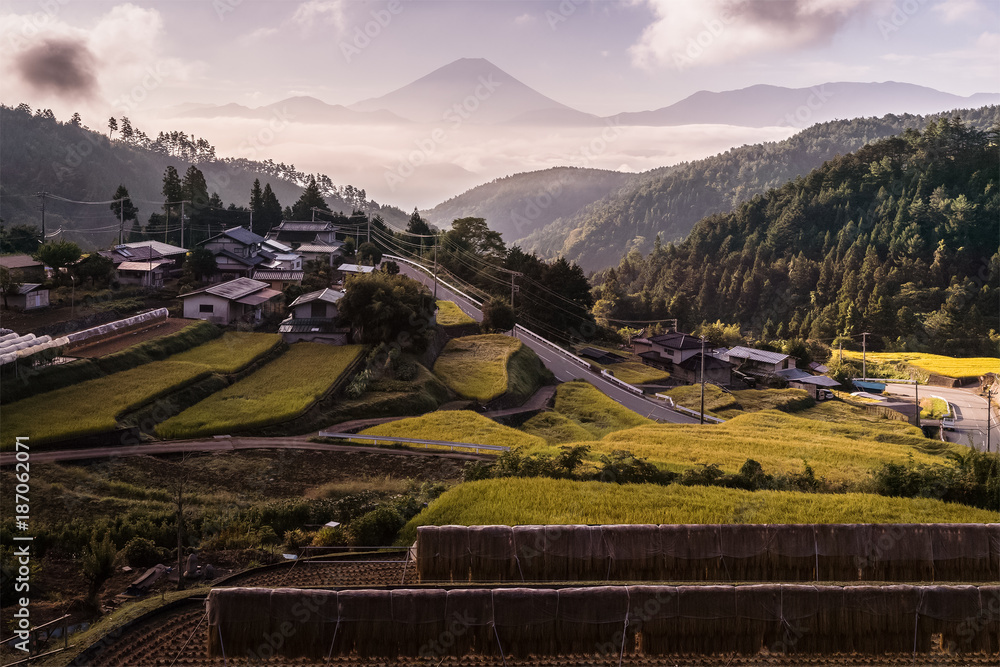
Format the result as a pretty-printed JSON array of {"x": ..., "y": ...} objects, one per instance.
[
  {"x": 232, "y": 352},
  {"x": 503, "y": 502},
  {"x": 475, "y": 367},
  {"x": 93, "y": 406},
  {"x": 935, "y": 363},
  {"x": 280, "y": 391},
  {"x": 450, "y": 315}
]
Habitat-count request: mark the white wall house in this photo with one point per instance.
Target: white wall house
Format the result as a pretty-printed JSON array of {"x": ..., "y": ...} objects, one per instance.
[{"x": 239, "y": 300}]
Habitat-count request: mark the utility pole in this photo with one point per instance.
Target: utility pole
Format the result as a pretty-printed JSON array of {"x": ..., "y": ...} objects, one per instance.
[
  {"x": 182, "y": 224},
  {"x": 864, "y": 355},
  {"x": 42, "y": 194},
  {"x": 121, "y": 221},
  {"x": 702, "y": 419},
  {"x": 314, "y": 214},
  {"x": 916, "y": 399},
  {"x": 989, "y": 416},
  {"x": 250, "y": 228},
  {"x": 368, "y": 235},
  {"x": 435, "y": 269}
]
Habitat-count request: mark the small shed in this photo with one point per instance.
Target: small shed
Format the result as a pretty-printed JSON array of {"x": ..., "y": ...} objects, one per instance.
[
  {"x": 313, "y": 318},
  {"x": 29, "y": 297}
]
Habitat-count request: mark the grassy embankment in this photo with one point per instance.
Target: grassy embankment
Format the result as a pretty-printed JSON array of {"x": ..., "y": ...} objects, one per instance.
[
  {"x": 280, "y": 391},
  {"x": 485, "y": 367},
  {"x": 550, "y": 501},
  {"x": 450, "y": 315}
]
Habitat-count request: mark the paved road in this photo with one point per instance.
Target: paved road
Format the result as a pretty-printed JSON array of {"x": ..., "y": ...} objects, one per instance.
[
  {"x": 970, "y": 414},
  {"x": 562, "y": 367},
  {"x": 218, "y": 445}
]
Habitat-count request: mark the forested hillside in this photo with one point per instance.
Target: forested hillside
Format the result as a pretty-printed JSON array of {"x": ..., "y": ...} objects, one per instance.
[
  {"x": 40, "y": 153},
  {"x": 667, "y": 202},
  {"x": 899, "y": 239},
  {"x": 518, "y": 205}
]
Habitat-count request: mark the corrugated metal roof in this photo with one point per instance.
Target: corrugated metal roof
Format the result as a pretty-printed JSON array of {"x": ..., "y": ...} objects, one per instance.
[
  {"x": 794, "y": 374},
  {"x": 757, "y": 355},
  {"x": 231, "y": 289},
  {"x": 278, "y": 274},
  {"x": 309, "y": 325},
  {"x": 18, "y": 261},
  {"x": 158, "y": 246},
  {"x": 258, "y": 298},
  {"x": 277, "y": 245},
  {"x": 693, "y": 363},
  {"x": 328, "y": 295},
  {"x": 305, "y": 226},
  {"x": 249, "y": 261},
  {"x": 119, "y": 255},
  {"x": 354, "y": 268},
  {"x": 319, "y": 247},
  {"x": 28, "y": 288},
  {"x": 143, "y": 266}
]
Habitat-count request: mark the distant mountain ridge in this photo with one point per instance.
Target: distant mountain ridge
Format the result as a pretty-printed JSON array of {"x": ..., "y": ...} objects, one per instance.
[
  {"x": 667, "y": 201},
  {"x": 475, "y": 91},
  {"x": 764, "y": 105}
]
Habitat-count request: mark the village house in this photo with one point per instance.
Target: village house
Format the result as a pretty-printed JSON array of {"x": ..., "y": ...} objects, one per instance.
[
  {"x": 150, "y": 273},
  {"x": 238, "y": 300},
  {"x": 760, "y": 363},
  {"x": 297, "y": 233},
  {"x": 23, "y": 268},
  {"x": 313, "y": 318},
  {"x": 717, "y": 371},
  {"x": 817, "y": 385},
  {"x": 667, "y": 350},
  {"x": 166, "y": 251},
  {"x": 237, "y": 253},
  {"x": 330, "y": 254}
]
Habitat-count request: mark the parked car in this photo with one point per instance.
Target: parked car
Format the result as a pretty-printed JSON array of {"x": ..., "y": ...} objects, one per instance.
[{"x": 948, "y": 423}]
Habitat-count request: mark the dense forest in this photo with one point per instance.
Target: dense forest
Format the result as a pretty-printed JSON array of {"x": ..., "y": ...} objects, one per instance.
[
  {"x": 668, "y": 202},
  {"x": 74, "y": 162},
  {"x": 899, "y": 239}
]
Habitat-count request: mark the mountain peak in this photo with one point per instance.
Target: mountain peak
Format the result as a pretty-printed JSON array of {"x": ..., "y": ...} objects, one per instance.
[{"x": 467, "y": 90}]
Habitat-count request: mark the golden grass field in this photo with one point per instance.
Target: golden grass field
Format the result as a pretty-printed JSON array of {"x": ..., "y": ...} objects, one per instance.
[
  {"x": 92, "y": 407},
  {"x": 728, "y": 405},
  {"x": 456, "y": 426},
  {"x": 599, "y": 415},
  {"x": 279, "y": 391},
  {"x": 450, "y": 315},
  {"x": 475, "y": 367},
  {"x": 514, "y": 501},
  {"x": 781, "y": 443},
  {"x": 635, "y": 372},
  {"x": 935, "y": 363},
  {"x": 232, "y": 352}
]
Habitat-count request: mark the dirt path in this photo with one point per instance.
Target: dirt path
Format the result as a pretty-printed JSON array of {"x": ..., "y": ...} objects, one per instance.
[{"x": 99, "y": 349}]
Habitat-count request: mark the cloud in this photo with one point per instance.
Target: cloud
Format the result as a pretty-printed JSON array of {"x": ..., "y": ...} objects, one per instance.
[
  {"x": 953, "y": 11},
  {"x": 710, "y": 32},
  {"x": 58, "y": 65},
  {"x": 313, "y": 12},
  {"x": 524, "y": 19}
]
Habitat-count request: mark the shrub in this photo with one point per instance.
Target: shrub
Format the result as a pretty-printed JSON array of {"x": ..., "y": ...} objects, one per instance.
[
  {"x": 328, "y": 536},
  {"x": 98, "y": 563},
  {"x": 141, "y": 552},
  {"x": 376, "y": 528}
]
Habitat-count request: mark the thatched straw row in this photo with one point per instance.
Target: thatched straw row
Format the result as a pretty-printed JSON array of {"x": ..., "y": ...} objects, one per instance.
[
  {"x": 606, "y": 620},
  {"x": 821, "y": 552}
]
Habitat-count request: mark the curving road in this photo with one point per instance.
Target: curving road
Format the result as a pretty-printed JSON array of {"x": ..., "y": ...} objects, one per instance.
[
  {"x": 562, "y": 366},
  {"x": 970, "y": 414},
  {"x": 221, "y": 445}
]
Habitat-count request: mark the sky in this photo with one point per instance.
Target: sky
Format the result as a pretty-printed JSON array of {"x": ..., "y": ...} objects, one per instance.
[{"x": 599, "y": 56}]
